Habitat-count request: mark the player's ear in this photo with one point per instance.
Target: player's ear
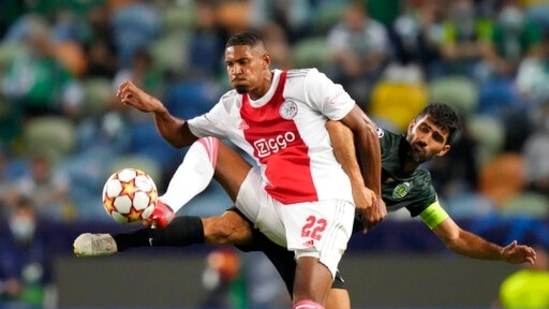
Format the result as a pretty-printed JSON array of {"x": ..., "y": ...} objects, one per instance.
[
  {"x": 444, "y": 150},
  {"x": 411, "y": 125},
  {"x": 266, "y": 60}
]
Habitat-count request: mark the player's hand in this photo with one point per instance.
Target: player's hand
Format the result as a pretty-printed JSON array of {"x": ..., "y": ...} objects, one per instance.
[
  {"x": 363, "y": 196},
  {"x": 129, "y": 94},
  {"x": 518, "y": 254},
  {"x": 372, "y": 216},
  {"x": 161, "y": 216}
]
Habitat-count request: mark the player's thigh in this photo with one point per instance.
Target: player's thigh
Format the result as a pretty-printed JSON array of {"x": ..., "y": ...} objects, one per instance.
[
  {"x": 229, "y": 228},
  {"x": 260, "y": 208},
  {"x": 319, "y": 229},
  {"x": 231, "y": 169}
]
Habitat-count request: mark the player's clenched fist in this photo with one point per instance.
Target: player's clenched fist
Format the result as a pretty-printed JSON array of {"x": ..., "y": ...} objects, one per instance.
[
  {"x": 372, "y": 216},
  {"x": 128, "y": 93}
]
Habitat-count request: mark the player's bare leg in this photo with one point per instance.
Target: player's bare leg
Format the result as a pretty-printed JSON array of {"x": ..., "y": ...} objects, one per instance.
[
  {"x": 338, "y": 299},
  {"x": 231, "y": 170},
  {"x": 312, "y": 281}
]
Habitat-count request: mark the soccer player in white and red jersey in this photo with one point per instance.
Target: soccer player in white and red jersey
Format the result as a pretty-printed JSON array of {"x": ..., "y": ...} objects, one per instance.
[{"x": 298, "y": 194}]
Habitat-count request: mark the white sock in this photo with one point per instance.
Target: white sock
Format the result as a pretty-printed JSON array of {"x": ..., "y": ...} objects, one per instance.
[{"x": 194, "y": 173}]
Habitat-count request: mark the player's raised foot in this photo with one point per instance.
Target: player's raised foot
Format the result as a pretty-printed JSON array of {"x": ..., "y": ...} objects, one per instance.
[{"x": 89, "y": 244}]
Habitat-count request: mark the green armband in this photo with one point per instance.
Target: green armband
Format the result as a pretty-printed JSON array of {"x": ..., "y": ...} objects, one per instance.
[{"x": 433, "y": 215}]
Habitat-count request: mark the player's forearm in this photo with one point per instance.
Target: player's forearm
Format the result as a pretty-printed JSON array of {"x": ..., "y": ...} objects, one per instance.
[
  {"x": 172, "y": 128},
  {"x": 342, "y": 140},
  {"x": 473, "y": 246},
  {"x": 369, "y": 152}
]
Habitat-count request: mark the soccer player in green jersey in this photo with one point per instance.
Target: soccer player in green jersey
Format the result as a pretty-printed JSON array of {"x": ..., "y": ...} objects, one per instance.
[{"x": 404, "y": 184}]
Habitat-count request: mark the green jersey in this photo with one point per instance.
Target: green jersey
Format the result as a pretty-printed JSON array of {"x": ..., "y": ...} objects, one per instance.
[{"x": 414, "y": 191}]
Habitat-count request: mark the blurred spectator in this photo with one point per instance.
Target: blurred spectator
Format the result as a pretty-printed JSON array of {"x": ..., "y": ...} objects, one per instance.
[
  {"x": 529, "y": 287},
  {"x": 359, "y": 47},
  {"x": 25, "y": 261},
  {"x": 277, "y": 44},
  {"x": 463, "y": 34},
  {"x": 416, "y": 34},
  {"x": 47, "y": 188},
  {"x": 38, "y": 80},
  {"x": 11, "y": 10},
  {"x": 207, "y": 41},
  {"x": 141, "y": 72},
  {"x": 533, "y": 74},
  {"x": 67, "y": 26},
  {"x": 222, "y": 277},
  {"x": 101, "y": 59},
  {"x": 513, "y": 38},
  {"x": 535, "y": 153},
  {"x": 294, "y": 16},
  {"x": 100, "y": 48},
  {"x": 135, "y": 25},
  {"x": 234, "y": 15}
]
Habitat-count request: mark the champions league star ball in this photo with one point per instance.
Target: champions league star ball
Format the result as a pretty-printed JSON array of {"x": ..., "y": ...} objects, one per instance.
[{"x": 129, "y": 195}]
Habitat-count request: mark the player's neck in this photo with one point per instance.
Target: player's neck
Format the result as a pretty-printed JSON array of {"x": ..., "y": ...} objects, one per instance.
[
  {"x": 260, "y": 91},
  {"x": 409, "y": 166}
]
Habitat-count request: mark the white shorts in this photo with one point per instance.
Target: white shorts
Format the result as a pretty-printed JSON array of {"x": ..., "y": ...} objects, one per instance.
[{"x": 318, "y": 229}]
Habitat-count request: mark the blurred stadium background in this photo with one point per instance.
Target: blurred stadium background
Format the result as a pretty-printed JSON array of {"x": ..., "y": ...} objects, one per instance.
[{"x": 62, "y": 134}]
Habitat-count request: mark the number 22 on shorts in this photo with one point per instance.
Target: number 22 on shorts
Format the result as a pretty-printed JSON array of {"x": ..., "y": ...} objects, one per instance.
[{"x": 313, "y": 227}]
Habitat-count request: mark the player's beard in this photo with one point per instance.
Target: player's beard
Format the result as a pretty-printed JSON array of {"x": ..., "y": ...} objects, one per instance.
[
  {"x": 418, "y": 155},
  {"x": 241, "y": 89}
]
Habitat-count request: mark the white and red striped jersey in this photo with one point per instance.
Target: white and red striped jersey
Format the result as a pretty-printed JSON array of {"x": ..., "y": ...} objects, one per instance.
[{"x": 284, "y": 131}]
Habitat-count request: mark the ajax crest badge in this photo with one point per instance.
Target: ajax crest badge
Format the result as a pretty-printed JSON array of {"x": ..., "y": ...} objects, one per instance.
[{"x": 288, "y": 110}]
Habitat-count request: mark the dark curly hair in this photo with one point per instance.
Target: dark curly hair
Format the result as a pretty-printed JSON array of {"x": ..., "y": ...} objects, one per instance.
[
  {"x": 444, "y": 116},
  {"x": 245, "y": 38}
]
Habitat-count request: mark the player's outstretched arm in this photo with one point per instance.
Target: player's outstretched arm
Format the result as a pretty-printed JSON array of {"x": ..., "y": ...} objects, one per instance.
[
  {"x": 174, "y": 130},
  {"x": 474, "y": 246}
]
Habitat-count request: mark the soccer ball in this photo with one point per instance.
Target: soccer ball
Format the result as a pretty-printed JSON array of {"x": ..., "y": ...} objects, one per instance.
[{"x": 129, "y": 195}]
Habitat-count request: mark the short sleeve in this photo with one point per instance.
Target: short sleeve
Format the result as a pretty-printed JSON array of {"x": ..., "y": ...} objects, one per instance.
[
  {"x": 326, "y": 96},
  {"x": 211, "y": 123}
]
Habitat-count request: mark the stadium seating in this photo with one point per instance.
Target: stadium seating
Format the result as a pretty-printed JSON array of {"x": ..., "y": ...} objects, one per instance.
[
  {"x": 97, "y": 96},
  {"x": 328, "y": 14},
  {"x": 311, "y": 52},
  {"x": 169, "y": 51},
  {"x": 489, "y": 133},
  {"x": 459, "y": 91},
  {"x": 526, "y": 204},
  {"x": 397, "y": 103},
  {"x": 144, "y": 163},
  {"x": 50, "y": 135},
  {"x": 8, "y": 52},
  {"x": 178, "y": 16}
]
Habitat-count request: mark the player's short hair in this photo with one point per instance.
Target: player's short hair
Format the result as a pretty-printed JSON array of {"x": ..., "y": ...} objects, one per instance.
[
  {"x": 444, "y": 116},
  {"x": 247, "y": 38}
]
